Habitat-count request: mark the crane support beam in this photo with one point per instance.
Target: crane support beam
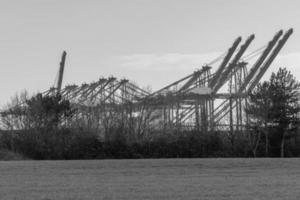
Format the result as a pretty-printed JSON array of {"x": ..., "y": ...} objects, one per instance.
[
  {"x": 168, "y": 86},
  {"x": 115, "y": 89},
  {"x": 194, "y": 78},
  {"x": 102, "y": 88}
]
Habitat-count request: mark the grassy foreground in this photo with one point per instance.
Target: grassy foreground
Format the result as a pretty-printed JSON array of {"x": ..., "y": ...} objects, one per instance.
[{"x": 151, "y": 179}]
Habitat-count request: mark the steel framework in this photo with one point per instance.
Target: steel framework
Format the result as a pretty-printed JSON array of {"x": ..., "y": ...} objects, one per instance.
[{"x": 204, "y": 100}]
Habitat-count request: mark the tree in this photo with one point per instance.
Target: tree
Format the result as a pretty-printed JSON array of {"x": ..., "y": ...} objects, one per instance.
[
  {"x": 285, "y": 104},
  {"x": 258, "y": 110},
  {"x": 36, "y": 112},
  {"x": 12, "y": 115},
  {"x": 47, "y": 111},
  {"x": 275, "y": 104}
]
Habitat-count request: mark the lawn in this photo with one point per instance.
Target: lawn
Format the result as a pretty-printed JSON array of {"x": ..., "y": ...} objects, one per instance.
[{"x": 151, "y": 179}]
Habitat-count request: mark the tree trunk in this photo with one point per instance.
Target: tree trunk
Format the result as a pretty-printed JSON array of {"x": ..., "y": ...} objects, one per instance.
[
  {"x": 282, "y": 145},
  {"x": 254, "y": 153},
  {"x": 256, "y": 144},
  {"x": 267, "y": 143}
]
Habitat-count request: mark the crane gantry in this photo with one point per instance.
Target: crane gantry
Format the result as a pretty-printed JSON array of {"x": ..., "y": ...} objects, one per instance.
[{"x": 203, "y": 100}]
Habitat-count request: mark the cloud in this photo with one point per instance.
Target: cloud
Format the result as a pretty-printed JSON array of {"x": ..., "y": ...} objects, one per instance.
[{"x": 164, "y": 62}]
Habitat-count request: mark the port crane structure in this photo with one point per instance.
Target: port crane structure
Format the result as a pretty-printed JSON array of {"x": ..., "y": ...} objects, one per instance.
[{"x": 210, "y": 98}]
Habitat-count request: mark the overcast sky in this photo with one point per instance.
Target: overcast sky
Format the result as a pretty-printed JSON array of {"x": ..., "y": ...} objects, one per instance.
[{"x": 147, "y": 41}]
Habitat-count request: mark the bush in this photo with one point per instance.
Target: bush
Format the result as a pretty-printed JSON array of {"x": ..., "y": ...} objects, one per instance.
[
  {"x": 79, "y": 144},
  {"x": 7, "y": 155},
  {"x": 56, "y": 144}
]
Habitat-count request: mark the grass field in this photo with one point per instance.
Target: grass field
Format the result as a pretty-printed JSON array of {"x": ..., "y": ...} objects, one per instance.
[{"x": 151, "y": 179}]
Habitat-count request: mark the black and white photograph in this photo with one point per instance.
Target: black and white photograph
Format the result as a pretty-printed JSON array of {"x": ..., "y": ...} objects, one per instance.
[{"x": 149, "y": 100}]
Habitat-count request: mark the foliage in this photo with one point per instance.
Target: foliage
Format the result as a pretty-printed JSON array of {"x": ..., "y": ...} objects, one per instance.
[
  {"x": 47, "y": 111},
  {"x": 46, "y": 127},
  {"x": 274, "y": 110}
]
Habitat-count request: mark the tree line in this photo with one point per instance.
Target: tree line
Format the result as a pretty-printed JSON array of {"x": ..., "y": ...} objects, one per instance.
[{"x": 50, "y": 127}]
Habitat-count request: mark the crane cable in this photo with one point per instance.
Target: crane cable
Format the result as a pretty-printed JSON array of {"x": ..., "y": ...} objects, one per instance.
[
  {"x": 216, "y": 59},
  {"x": 253, "y": 53}
]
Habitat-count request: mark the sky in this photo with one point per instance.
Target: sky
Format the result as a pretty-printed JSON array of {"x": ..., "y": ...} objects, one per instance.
[{"x": 151, "y": 42}]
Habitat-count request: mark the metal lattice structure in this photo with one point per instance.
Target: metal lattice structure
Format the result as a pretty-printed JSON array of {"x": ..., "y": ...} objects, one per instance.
[
  {"x": 109, "y": 92},
  {"x": 196, "y": 101},
  {"x": 205, "y": 100}
]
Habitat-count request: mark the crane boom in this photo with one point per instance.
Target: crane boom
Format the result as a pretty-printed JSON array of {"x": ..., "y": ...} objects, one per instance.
[
  {"x": 270, "y": 59},
  {"x": 263, "y": 69},
  {"x": 61, "y": 71},
  {"x": 224, "y": 63},
  {"x": 233, "y": 63},
  {"x": 260, "y": 60},
  {"x": 253, "y": 70}
]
